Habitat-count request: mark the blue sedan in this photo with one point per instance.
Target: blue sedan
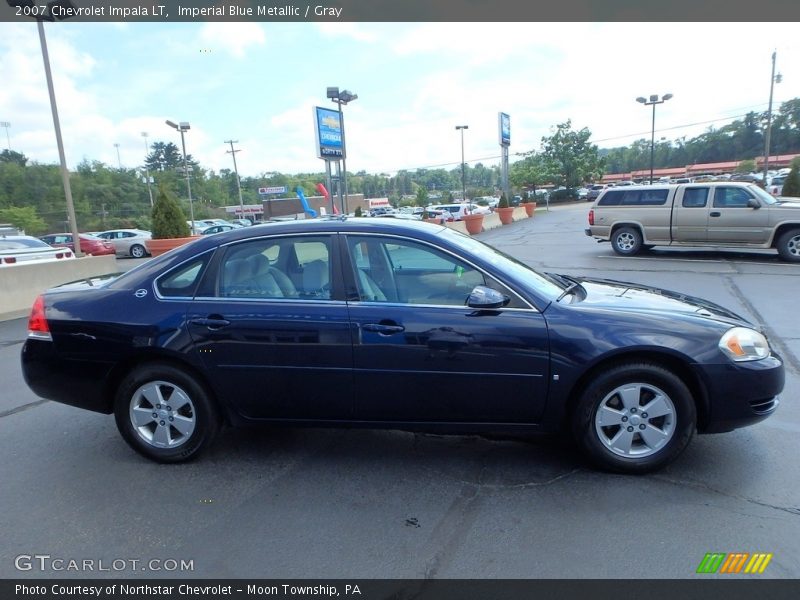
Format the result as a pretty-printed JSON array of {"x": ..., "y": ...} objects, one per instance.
[{"x": 395, "y": 324}]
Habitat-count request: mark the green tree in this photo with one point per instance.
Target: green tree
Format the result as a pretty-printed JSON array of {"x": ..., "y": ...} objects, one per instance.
[
  {"x": 23, "y": 217},
  {"x": 422, "y": 196},
  {"x": 746, "y": 166},
  {"x": 569, "y": 158},
  {"x": 791, "y": 186},
  {"x": 10, "y": 156},
  {"x": 168, "y": 218}
]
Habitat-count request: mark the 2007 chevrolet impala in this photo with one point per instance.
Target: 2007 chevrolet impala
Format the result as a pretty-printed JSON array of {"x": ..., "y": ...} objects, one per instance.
[{"x": 379, "y": 323}]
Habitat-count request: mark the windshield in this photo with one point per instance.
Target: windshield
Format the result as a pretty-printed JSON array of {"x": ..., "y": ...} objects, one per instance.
[
  {"x": 764, "y": 196},
  {"x": 543, "y": 284}
]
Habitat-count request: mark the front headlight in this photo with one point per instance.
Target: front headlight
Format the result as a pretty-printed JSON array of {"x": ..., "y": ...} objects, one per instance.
[{"x": 742, "y": 344}]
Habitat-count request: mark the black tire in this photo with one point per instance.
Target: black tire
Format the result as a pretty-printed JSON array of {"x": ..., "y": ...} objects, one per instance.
[
  {"x": 138, "y": 251},
  {"x": 596, "y": 439},
  {"x": 788, "y": 245},
  {"x": 193, "y": 404},
  {"x": 626, "y": 241}
]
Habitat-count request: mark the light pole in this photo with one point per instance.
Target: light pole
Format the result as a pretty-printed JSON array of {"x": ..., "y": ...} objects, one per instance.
[
  {"x": 773, "y": 80},
  {"x": 463, "y": 164},
  {"x": 6, "y": 124},
  {"x": 342, "y": 97},
  {"x": 146, "y": 168},
  {"x": 652, "y": 102},
  {"x": 119, "y": 161},
  {"x": 181, "y": 127},
  {"x": 233, "y": 152}
]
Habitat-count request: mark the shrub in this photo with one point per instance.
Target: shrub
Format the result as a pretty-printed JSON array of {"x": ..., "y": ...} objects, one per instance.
[
  {"x": 503, "y": 202},
  {"x": 791, "y": 186},
  {"x": 168, "y": 218},
  {"x": 358, "y": 212}
]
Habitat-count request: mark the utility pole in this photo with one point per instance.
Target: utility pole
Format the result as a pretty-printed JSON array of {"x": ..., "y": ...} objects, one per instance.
[
  {"x": 119, "y": 161},
  {"x": 772, "y": 81},
  {"x": 233, "y": 152},
  {"x": 146, "y": 168}
]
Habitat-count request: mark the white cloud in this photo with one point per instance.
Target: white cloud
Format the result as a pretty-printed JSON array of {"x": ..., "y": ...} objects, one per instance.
[
  {"x": 232, "y": 38},
  {"x": 354, "y": 31}
]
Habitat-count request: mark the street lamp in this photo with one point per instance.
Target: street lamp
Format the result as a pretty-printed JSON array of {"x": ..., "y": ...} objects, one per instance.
[
  {"x": 146, "y": 168},
  {"x": 342, "y": 97},
  {"x": 181, "y": 127},
  {"x": 652, "y": 102},
  {"x": 773, "y": 80},
  {"x": 463, "y": 164},
  {"x": 119, "y": 160},
  {"x": 6, "y": 124}
]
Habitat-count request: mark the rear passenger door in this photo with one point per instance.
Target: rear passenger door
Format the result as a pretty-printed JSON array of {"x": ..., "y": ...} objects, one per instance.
[
  {"x": 270, "y": 323},
  {"x": 690, "y": 216}
]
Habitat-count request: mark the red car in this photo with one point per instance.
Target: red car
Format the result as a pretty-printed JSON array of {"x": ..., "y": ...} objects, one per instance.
[{"x": 90, "y": 244}]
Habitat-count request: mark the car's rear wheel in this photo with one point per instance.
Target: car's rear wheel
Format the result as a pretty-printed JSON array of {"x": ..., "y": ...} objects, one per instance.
[
  {"x": 626, "y": 241},
  {"x": 788, "y": 245},
  {"x": 634, "y": 418},
  {"x": 138, "y": 251},
  {"x": 164, "y": 414}
]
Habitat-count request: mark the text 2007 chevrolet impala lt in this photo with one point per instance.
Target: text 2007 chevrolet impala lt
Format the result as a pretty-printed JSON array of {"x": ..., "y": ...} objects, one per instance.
[{"x": 379, "y": 323}]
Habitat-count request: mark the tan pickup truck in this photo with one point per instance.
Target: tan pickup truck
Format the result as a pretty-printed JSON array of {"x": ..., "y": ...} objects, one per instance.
[{"x": 718, "y": 214}]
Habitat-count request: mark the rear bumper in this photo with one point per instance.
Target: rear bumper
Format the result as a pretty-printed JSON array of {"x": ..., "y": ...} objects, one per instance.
[
  {"x": 79, "y": 383},
  {"x": 742, "y": 394}
]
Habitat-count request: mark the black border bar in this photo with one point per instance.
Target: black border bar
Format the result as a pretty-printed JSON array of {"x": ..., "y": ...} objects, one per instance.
[{"x": 404, "y": 11}]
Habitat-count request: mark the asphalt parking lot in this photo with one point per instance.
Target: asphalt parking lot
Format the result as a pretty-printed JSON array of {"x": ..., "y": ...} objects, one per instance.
[{"x": 375, "y": 504}]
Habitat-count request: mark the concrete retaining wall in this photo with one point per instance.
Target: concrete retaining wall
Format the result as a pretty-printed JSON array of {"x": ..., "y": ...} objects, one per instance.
[
  {"x": 457, "y": 225},
  {"x": 491, "y": 221},
  {"x": 20, "y": 284}
]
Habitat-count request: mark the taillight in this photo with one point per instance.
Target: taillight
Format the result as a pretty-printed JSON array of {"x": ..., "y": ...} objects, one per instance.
[
  {"x": 591, "y": 217},
  {"x": 10, "y": 260},
  {"x": 37, "y": 323},
  {"x": 59, "y": 255}
]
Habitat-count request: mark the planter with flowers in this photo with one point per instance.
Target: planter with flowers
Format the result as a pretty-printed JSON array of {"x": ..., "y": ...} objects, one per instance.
[{"x": 505, "y": 211}]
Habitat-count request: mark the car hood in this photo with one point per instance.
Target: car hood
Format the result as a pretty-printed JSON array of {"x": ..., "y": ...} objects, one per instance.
[
  {"x": 787, "y": 202},
  {"x": 620, "y": 295}
]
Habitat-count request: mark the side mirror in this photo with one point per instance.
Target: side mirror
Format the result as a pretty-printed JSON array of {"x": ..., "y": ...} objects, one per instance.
[
  {"x": 483, "y": 297},
  {"x": 753, "y": 203}
]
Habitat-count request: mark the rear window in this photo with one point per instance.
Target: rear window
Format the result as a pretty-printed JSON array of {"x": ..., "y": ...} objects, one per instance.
[{"x": 634, "y": 198}]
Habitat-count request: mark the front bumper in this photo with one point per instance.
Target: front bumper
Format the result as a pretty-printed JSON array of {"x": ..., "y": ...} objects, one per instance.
[{"x": 741, "y": 394}]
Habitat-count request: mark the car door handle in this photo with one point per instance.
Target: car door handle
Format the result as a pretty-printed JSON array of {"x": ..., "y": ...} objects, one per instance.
[
  {"x": 212, "y": 323},
  {"x": 716, "y": 214},
  {"x": 383, "y": 328}
]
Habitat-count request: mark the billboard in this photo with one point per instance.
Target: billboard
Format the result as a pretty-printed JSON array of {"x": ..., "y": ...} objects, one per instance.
[
  {"x": 328, "y": 133},
  {"x": 504, "y": 126},
  {"x": 277, "y": 189}
]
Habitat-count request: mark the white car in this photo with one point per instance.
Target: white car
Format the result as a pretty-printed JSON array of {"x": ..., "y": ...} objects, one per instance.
[
  {"x": 24, "y": 249},
  {"x": 459, "y": 210},
  {"x": 127, "y": 242}
]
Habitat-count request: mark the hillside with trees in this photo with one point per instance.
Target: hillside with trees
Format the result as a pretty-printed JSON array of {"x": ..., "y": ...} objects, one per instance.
[{"x": 32, "y": 196}]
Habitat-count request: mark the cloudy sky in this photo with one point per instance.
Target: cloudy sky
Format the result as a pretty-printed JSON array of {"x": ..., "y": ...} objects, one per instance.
[{"x": 257, "y": 83}]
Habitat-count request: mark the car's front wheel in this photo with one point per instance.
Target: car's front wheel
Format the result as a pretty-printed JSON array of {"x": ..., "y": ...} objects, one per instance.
[
  {"x": 626, "y": 241},
  {"x": 634, "y": 418},
  {"x": 138, "y": 251},
  {"x": 164, "y": 414}
]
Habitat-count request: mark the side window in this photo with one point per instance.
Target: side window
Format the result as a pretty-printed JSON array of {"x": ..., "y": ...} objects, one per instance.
[
  {"x": 284, "y": 267},
  {"x": 653, "y": 197},
  {"x": 695, "y": 197},
  {"x": 410, "y": 273},
  {"x": 612, "y": 198},
  {"x": 182, "y": 281},
  {"x": 730, "y": 197}
]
